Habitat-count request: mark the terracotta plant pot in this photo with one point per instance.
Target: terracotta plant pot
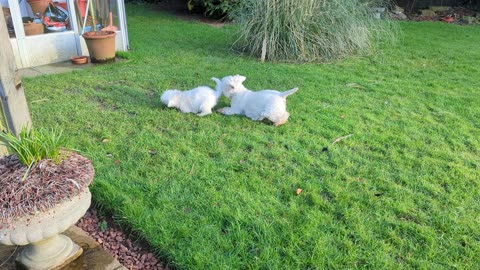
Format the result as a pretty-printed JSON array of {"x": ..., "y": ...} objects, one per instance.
[
  {"x": 39, "y": 6},
  {"x": 101, "y": 46},
  {"x": 33, "y": 28},
  {"x": 448, "y": 19},
  {"x": 79, "y": 60}
]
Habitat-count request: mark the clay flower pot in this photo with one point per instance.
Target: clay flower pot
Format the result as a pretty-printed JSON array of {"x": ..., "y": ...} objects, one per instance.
[
  {"x": 33, "y": 28},
  {"x": 448, "y": 19},
  {"x": 39, "y": 6},
  {"x": 101, "y": 46},
  {"x": 79, "y": 60}
]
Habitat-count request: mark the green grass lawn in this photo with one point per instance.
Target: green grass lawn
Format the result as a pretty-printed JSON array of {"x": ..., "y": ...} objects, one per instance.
[{"x": 218, "y": 192}]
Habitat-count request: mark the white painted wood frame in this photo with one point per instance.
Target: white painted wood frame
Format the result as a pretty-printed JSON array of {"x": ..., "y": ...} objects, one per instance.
[{"x": 50, "y": 48}]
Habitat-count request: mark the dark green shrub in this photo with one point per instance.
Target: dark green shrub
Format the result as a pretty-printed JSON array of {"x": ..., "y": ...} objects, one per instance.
[
  {"x": 221, "y": 8},
  {"x": 218, "y": 9}
]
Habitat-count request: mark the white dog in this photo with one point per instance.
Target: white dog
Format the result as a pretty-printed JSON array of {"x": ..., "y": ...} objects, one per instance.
[
  {"x": 266, "y": 104},
  {"x": 199, "y": 100}
]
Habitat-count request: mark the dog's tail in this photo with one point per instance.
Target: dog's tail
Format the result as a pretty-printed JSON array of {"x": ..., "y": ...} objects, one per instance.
[
  {"x": 289, "y": 92},
  {"x": 218, "y": 87},
  {"x": 217, "y": 80}
]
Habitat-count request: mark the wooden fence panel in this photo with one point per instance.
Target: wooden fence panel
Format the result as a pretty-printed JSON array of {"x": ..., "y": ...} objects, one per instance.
[{"x": 14, "y": 108}]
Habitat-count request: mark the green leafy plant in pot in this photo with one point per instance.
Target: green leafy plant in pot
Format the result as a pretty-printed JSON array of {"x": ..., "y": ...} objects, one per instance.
[{"x": 43, "y": 191}]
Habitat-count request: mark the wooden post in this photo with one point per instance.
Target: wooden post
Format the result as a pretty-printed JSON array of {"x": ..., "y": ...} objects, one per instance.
[
  {"x": 3, "y": 149},
  {"x": 14, "y": 108}
]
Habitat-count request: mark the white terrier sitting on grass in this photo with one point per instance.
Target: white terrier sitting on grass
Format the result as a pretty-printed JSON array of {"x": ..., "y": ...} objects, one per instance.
[
  {"x": 199, "y": 100},
  {"x": 265, "y": 104}
]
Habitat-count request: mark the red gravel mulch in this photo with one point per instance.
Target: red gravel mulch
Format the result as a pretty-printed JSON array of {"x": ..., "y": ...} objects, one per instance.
[
  {"x": 131, "y": 254},
  {"x": 48, "y": 183}
]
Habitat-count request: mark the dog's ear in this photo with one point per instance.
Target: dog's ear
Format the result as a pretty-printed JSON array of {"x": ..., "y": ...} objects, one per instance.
[{"x": 241, "y": 78}]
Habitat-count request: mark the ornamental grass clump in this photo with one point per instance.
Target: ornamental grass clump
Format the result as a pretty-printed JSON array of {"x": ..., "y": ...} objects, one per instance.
[
  {"x": 32, "y": 145},
  {"x": 309, "y": 30}
]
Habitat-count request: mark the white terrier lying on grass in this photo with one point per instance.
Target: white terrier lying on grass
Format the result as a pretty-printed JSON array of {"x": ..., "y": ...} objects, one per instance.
[
  {"x": 265, "y": 104},
  {"x": 199, "y": 100}
]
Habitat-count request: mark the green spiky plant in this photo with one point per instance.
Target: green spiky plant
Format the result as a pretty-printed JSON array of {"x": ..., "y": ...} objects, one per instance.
[
  {"x": 309, "y": 30},
  {"x": 32, "y": 145}
]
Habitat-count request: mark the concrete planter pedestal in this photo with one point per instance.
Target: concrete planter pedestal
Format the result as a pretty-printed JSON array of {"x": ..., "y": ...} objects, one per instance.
[{"x": 47, "y": 248}]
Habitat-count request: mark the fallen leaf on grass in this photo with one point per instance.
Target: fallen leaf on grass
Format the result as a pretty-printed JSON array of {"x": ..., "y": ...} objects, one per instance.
[
  {"x": 191, "y": 170},
  {"x": 298, "y": 191},
  {"x": 341, "y": 138},
  {"x": 40, "y": 100},
  {"x": 106, "y": 140},
  {"x": 354, "y": 85}
]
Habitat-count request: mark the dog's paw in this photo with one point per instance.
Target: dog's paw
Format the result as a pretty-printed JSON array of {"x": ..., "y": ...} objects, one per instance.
[
  {"x": 221, "y": 110},
  {"x": 276, "y": 124},
  {"x": 204, "y": 113}
]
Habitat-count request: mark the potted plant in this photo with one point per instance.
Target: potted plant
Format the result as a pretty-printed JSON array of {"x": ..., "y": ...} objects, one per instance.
[
  {"x": 43, "y": 191},
  {"x": 101, "y": 46}
]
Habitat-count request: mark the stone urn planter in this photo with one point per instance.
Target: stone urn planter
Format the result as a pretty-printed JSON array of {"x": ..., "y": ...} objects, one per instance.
[
  {"x": 101, "y": 46},
  {"x": 47, "y": 202}
]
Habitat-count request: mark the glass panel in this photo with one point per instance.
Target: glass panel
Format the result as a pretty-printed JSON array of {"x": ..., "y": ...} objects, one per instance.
[
  {"x": 47, "y": 16},
  {"x": 8, "y": 17},
  {"x": 102, "y": 12},
  {"x": 53, "y": 14},
  {"x": 111, "y": 16},
  {"x": 88, "y": 15},
  {"x": 39, "y": 16},
  {"x": 114, "y": 8}
]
